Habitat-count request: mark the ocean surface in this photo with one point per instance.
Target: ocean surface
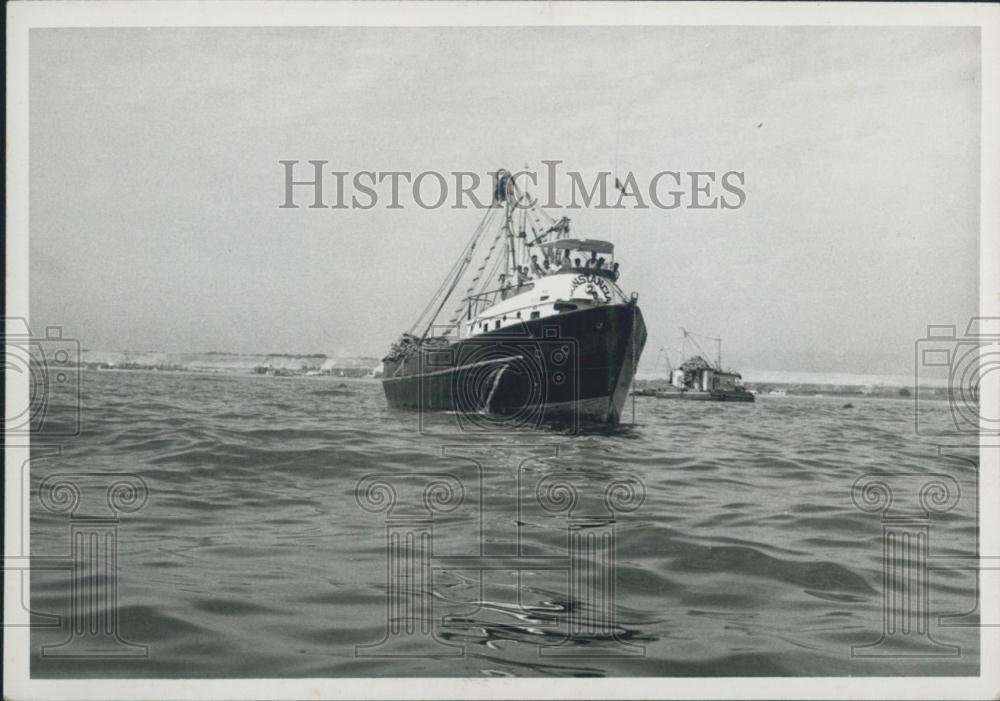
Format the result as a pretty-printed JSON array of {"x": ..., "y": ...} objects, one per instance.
[{"x": 249, "y": 549}]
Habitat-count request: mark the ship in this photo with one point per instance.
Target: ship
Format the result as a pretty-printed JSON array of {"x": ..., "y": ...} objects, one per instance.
[
  {"x": 540, "y": 330},
  {"x": 699, "y": 380}
]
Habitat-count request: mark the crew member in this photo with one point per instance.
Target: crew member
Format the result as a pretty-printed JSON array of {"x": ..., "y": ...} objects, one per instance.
[{"x": 537, "y": 269}]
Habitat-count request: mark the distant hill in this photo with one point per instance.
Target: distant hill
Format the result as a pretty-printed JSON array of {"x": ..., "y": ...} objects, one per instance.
[
  {"x": 791, "y": 365},
  {"x": 216, "y": 361},
  {"x": 853, "y": 368},
  {"x": 852, "y": 362}
]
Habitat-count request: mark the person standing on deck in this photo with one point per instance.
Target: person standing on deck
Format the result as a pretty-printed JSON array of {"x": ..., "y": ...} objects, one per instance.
[
  {"x": 536, "y": 268},
  {"x": 551, "y": 264}
]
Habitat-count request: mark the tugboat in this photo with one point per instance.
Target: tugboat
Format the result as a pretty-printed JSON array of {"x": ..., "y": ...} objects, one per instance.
[
  {"x": 698, "y": 380},
  {"x": 543, "y": 332}
]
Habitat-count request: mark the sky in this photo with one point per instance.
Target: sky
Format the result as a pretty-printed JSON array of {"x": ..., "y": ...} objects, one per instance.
[{"x": 155, "y": 181}]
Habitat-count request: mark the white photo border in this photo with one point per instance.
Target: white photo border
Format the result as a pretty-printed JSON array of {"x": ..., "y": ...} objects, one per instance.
[{"x": 23, "y": 16}]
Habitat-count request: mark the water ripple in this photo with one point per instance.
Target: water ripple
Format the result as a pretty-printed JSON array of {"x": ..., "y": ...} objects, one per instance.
[{"x": 253, "y": 557}]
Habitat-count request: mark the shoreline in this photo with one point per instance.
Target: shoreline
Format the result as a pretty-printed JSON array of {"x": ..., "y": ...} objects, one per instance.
[{"x": 791, "y": 389}]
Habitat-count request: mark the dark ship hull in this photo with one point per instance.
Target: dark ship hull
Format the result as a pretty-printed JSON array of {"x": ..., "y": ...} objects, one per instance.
[{"x": 570, "y": 367}]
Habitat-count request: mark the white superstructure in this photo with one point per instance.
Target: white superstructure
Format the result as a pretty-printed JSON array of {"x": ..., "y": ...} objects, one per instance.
[{"x": 541, "y": 297}]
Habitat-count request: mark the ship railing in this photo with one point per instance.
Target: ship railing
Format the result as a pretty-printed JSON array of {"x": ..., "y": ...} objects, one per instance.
[
  {"x": 476, "y": 303},
  {"x": 600, "y": 272},
  {"x": 484, "y": 300}
]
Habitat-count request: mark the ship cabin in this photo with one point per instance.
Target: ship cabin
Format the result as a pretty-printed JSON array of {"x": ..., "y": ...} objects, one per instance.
[
  {"x": 697, "y": 375},
  {"x": 566, "y": 275},
  {"x": 581, "y": 256}
]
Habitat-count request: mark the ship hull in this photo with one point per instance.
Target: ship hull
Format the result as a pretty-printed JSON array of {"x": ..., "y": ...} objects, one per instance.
[
  {"x": 568, "y": 368},
  {"x": 701, "y": 396}
]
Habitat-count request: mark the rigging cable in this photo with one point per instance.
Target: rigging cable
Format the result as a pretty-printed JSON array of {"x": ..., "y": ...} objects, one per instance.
[
  {"x": 453, "y": 275},
  {"x": 472, "y": 284}
]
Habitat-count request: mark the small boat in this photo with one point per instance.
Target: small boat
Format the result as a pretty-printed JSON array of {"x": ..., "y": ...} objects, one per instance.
[
  {"x": 543, "y": 331},
  {"x": 698, "y": 380}
]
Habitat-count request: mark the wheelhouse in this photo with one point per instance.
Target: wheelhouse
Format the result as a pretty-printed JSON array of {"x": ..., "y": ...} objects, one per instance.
[
  {"x": 581, "y": 255},
  {"x": 573, "y": 274}
]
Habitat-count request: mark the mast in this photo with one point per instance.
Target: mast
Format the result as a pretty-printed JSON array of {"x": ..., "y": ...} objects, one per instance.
[
  {"x": 666, "y": 360},
  {"x": 718, "y": 346},
  {"x": 510, "y": 195},
  {"x": 508, "y": 226}
]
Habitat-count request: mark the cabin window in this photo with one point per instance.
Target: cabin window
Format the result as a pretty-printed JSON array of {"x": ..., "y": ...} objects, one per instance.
[
  {"x": 519, "y": 315},
  {"x": 535, "y": 315},
  {"x": 543, "y": 298},
  {"x": 497, "y": 324}
]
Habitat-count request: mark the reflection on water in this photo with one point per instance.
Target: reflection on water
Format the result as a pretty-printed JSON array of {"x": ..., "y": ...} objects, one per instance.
[{"x": 253, "y": 558}]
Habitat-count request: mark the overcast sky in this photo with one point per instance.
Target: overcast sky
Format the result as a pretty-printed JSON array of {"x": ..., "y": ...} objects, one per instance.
[{"x": 155, "y": 180}]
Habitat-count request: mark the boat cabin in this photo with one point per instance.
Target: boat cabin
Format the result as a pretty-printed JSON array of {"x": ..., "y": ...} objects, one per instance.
[
  {"x": 581, "y": 255},
  {"x": 696, "y": 374},
  {"x": 568, "y": 275}
]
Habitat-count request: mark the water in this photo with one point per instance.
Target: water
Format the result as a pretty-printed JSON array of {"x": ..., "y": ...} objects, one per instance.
[{"x": 252, "y": 557}]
